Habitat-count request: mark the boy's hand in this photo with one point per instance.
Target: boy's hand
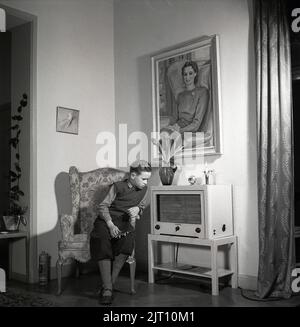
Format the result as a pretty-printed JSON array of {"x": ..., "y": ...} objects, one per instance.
[
  {"x": 113, "y": 229},
  {"x": 175, "y": 127},
  {"x": 133, "y": 212},
  {"x": 133, "y": 220}
]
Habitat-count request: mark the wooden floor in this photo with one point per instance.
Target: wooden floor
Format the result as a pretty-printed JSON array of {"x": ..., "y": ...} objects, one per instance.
[{"x": 171, "y": 292}]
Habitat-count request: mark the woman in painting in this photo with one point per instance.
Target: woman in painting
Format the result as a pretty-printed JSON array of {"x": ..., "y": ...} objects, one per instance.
[{"x": 192, "y": 103}]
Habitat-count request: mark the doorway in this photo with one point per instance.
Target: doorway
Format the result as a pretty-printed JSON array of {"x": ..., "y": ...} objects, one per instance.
[{"x": 21, "y": 78}]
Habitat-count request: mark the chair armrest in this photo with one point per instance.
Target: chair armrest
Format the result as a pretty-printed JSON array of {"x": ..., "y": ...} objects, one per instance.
[{"x": 67, "y": 226}]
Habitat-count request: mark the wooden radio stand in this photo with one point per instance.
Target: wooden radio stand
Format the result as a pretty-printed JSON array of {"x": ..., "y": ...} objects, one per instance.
[{"x": 214, "y": 273}]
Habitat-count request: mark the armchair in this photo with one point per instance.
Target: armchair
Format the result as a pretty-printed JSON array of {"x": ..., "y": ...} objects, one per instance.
[{"x": 87, "y": 189}]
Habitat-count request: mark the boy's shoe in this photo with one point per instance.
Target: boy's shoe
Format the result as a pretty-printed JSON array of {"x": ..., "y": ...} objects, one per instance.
[{"x": 107, "y": 298}]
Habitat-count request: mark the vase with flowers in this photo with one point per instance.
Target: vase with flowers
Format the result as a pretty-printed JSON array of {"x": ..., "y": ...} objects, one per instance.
[
  {"x": 168, "y": 150},
  {"x": 15, "y": 214}
]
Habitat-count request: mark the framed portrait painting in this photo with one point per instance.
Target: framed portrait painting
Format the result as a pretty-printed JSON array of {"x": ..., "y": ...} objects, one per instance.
[
  {"x": 67, "y": 120},
  {"x": 186, "y": 94}
]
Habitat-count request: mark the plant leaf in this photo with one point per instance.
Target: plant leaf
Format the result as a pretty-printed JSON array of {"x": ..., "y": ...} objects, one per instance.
[
  {"x": 17, "y": 156},
  {"x": 13, "y": 174},
  {"x": 17, "y": 117},
  {"x": 15, "y": 188},
  {"x": 17, "y": 166},
  {"x": 14, "y": 196},
  {"x": 15, "y": 127},
  {"x": 19, "y": 109},
  {"x": 23, "y": 103}
]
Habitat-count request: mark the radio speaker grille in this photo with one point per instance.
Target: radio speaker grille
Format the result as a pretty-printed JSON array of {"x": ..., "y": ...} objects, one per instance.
[{"x": 179, "y": 208}]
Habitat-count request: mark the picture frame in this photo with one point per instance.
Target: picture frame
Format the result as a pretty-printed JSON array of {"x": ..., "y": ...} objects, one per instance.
[
  {"x": 67, "y": 120},
  {"x": 170, "y": 93}
]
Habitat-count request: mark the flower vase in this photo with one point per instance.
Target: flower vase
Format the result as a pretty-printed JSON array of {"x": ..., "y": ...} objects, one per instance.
[
  {"x": 12, "y": 223},
  {"x": 166, "y": 175}
]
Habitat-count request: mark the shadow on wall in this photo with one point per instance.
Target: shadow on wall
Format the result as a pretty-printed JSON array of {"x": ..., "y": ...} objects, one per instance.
[
  {"x": 64, "y": 206},
  {"x": 48, "y": 241}
]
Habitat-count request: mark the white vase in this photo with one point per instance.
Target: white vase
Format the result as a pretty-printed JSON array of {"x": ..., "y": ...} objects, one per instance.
[{"x": 12, "y": 223}]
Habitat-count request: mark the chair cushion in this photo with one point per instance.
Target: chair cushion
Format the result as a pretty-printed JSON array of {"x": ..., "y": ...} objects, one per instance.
[
  {"x": 79, "y": 238},
  {"x": 81, "y": 246}
]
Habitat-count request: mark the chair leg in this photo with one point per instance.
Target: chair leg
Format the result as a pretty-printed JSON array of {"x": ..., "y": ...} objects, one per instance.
[
  {"x": 78, "y": 266},
  {"x": 59, "y": 265},
  {"x": 132, "y": 267}
]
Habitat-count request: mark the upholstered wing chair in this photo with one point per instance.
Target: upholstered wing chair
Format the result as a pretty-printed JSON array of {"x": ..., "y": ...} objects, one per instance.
[{"x": 87, "y": 190}]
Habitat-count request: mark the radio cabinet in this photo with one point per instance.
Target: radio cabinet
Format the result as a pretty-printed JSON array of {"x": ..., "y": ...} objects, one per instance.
[{"x": 200, "y": 211}]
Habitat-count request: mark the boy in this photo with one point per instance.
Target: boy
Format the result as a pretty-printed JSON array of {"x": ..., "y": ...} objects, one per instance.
[{"x": 112, "y": 239}]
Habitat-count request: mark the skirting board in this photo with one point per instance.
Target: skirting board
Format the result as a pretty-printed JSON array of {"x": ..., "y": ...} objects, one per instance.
[
  {"x": 67, "y": 270},
  {"x": 17, "y": 276},
  {"x": 244, "y": 281},
  {"x": 247, "y": 282}
]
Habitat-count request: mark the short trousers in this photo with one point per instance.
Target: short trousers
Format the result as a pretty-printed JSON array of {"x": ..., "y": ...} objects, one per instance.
[{"x": 103, "y": 246}]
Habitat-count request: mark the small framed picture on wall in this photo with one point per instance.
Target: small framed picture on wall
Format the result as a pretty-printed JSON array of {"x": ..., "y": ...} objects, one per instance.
[{"x": 67, "y": 120}]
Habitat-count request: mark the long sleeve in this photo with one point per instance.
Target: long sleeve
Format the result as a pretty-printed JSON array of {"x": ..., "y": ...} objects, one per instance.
[
  {"x": 201, "y": 108},
  {"x": 103, "y": 207},
  {"x": 142, "y": 205},
  {"x": 174, "y": 117}
]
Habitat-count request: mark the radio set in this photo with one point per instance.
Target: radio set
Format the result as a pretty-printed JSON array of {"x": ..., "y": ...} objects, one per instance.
[{"x": 196, "y": 211}]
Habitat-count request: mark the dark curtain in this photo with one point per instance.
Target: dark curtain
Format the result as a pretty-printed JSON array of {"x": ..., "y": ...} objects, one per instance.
[{"x": 275, "y": 149}]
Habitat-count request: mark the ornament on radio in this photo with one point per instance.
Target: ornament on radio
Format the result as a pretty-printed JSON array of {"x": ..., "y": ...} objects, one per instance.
[
  {"x": 208, "y": 173},
  {"x": 192, "y": 180}
]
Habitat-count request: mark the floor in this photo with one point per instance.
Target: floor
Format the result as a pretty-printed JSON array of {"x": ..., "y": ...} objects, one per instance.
[{"x": 174, "y": 291}]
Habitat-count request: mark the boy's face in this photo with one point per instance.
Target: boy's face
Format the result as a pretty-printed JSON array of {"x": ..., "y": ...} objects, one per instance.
[{"x": 140, "y": 181}]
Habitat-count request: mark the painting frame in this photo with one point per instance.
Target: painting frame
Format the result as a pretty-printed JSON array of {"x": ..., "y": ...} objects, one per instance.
[
  {"x": 67, "y": 120},
  {"x": 205, "y": 51}
]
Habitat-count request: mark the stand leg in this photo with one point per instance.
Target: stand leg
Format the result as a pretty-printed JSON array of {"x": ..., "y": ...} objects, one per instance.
[
  {"x": 233, "y": 264},
  {"x": 59, "y": 265},
  {"x": 27, "y": 258},
  {"x": 77, "y": 272},
  {"x": 10, "y": 251},
  {"x": 150, "y": 260},
  {"x": 214, "y": 270},
  {"x": 173, "y": 253}
]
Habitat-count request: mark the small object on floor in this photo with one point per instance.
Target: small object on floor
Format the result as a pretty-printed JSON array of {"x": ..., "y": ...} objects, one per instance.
[{"x": 106, "y": 299}]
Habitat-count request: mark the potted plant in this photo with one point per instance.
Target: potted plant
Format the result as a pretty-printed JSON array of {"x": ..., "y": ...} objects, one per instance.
[
  {"x": 15, "y": 213},
  {"x": 168, "y": 147}
]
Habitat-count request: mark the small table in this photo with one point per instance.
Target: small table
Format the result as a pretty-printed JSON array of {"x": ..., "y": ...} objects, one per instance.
[
  {"x": 11, "y": 237},
  {"x": 214, "y": 273}
]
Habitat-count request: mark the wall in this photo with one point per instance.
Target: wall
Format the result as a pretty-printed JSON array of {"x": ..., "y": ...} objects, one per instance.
[
  {"x": 20, "y": 83},
  {"x": 143, "y": 28},
  {"x": 75, "y": 69},
  {"x": 5, "y": 110},
  {"x": 5, "y": 114}
]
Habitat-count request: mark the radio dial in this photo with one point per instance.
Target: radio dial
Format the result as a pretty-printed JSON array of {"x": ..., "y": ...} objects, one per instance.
[
  {"x": 177, "y": 228},
  {"x": 157, "y": 227},
  {"x": 198, "y": 230}
]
